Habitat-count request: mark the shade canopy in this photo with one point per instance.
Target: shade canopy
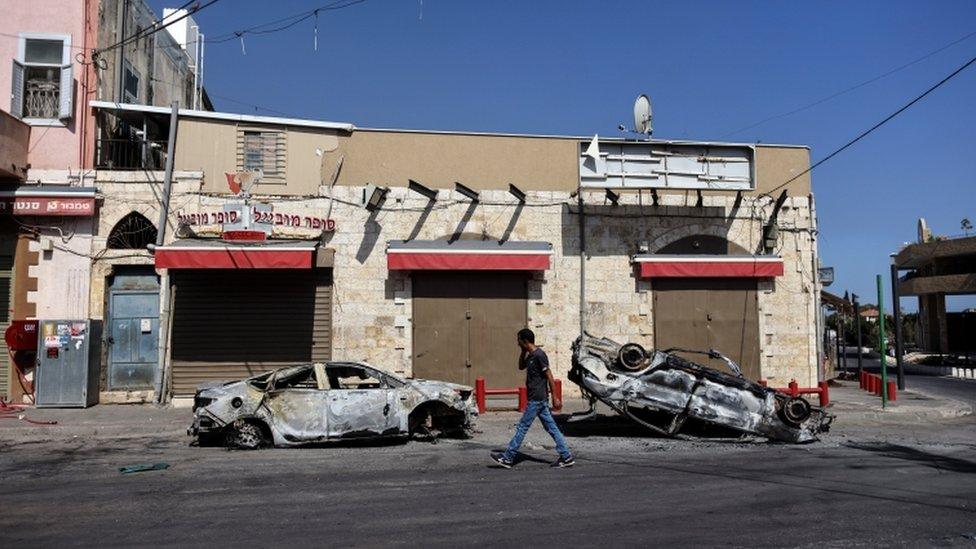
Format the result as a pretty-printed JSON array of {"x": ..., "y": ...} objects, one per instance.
[
  {"x": 700, "y": 266},
  {"x": 221, "y": 254},
  {"x": 477, "y": 255}
]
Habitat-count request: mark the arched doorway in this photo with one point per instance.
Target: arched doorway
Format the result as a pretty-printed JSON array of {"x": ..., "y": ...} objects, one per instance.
[
  {"x": 132, "y": 232},
  {"x": 703, "y": 313}
]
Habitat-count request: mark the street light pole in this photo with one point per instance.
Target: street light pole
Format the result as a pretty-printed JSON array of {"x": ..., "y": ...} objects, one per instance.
[
  {"x": 857, "y": 327},
  {"x": 896, "y": 313}
]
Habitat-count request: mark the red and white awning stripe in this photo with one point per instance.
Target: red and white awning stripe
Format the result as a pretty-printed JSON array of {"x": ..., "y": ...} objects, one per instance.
[
  {"x": 700, "y": 266},
  {"x": 221, "y": 255},
  {"x": 468, "y": 255}
]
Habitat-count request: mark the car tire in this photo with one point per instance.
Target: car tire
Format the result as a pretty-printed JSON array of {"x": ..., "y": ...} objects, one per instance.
[{"x": 247, "y": 435}]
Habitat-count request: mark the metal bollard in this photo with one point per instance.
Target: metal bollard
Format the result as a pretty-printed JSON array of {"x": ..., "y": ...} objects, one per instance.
[
  {"x": 824, "y": 393},
  {"x": 479, "y": 394},
  {"x": 764, "y": 383},
  {"x": 892, "y": 390},
  {"x": 794, "y": 388},
  {"x": 523, "y": 398}
]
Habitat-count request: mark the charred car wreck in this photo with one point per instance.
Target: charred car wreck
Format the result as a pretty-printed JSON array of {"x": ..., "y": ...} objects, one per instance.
[
  {"x": 313, "y": 403},
  {"x": 661, "y": 391}
]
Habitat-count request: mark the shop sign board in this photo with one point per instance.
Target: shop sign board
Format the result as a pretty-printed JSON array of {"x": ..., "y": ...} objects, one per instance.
[{"x": 41, "y": 206}]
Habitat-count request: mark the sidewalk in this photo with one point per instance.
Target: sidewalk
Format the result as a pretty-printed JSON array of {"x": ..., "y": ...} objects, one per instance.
[
  {"x": 105, "y": 421},
  {"x": 850, "y": 403}
]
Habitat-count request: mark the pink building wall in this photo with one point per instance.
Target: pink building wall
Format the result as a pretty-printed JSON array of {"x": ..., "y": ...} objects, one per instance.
[{"x": 57, "y": 147}]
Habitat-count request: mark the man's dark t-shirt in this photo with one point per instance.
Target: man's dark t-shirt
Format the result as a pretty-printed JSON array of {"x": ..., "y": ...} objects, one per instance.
[{"x": 536, "y": 365}]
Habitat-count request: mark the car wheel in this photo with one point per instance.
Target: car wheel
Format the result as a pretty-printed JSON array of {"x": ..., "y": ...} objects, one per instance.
[{"x": 247, "y": 435}]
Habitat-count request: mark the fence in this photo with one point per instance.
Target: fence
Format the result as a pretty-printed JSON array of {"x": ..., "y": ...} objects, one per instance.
[
  {"x": 130, "y": 154},
  {"x": 481, "y": 394}
]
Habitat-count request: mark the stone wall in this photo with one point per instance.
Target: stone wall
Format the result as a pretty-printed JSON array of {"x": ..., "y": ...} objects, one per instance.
[{"x": 372, "y": 307}]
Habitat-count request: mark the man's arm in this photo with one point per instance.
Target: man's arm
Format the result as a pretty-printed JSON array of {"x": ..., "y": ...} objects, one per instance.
[
  {"x": 522, "y": 364},
  {"x": 556, "y": 401}
]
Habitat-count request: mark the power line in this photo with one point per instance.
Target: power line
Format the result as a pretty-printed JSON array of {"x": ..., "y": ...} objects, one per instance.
[
  {"x": 149, "y": 31},
  {"x": 284, "y": 23},
  {"x": 852, "y": 88},
  {"x": 872, "y": 128}
]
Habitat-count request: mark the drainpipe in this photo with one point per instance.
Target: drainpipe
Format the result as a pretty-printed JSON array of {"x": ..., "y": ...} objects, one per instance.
[
  {"x": 165, "y": 297},
  {"x": 120, "y": 56},
  {"x": 818, "y": 309},
  {"x": 582, "y": 288}
]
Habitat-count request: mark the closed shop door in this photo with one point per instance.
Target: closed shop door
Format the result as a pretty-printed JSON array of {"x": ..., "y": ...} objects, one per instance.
[
  {"x": 709, "y": 313},
  {"x": 133, "y": 329},
  {"x": 6, "y": 306},
  {"x": 233, "y": 324},
  {"x": 464, "y": 326}
]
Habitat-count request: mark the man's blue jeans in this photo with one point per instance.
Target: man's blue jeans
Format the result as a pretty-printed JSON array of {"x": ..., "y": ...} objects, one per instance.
[{"x": 537, "y": 408}]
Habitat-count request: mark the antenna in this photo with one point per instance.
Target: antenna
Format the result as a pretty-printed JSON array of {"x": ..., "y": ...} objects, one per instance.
[{"x": 642, "y": 115}]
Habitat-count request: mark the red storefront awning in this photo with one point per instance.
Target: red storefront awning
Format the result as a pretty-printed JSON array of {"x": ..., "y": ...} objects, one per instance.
[
  {"x": 478, "y": 255},
  {"x": 48, "y": 200},
  {"x": 220, "y": 254},
  {"x": 688, "y": 266}
]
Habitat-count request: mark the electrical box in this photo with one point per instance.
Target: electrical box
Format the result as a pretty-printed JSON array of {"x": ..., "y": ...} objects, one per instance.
[{"x": 67, "y": 364}]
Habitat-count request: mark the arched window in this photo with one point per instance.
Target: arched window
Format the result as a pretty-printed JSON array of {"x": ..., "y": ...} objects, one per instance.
[{"x": 132, "y": 232}]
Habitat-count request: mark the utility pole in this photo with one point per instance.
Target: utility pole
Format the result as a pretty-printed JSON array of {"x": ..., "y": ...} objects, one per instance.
[
  {"x": 165, "y": 298},
  {"x": 841, "y": 341},
  {"x": 896, "y": 313},
  {"x": 857, "y": 328},
  {"x": 582, "y": 244}
]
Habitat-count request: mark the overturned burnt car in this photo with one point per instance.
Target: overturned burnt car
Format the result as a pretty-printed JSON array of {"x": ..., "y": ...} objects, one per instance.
[
  {"x": 661, "y": 391},
  {"x": 312, "y": 403}
]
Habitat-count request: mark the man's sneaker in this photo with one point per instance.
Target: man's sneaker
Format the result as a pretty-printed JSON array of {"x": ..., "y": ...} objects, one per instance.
[
  {"x": 499, "y": 458},
  {"x": 563, "y": 462}
]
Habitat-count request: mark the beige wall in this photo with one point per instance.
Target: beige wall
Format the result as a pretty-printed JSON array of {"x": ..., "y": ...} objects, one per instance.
[
  {"x": 438, "y": 160},
  {"x": 777, "y": 165}
]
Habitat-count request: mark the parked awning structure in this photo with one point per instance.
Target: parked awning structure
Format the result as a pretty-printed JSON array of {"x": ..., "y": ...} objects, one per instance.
[
  {"x": 479, "y": 255},
  {"x": 688, "y": 266},
  {"x": 48, "y": 200},
  {"x": 220, "y": 254}
]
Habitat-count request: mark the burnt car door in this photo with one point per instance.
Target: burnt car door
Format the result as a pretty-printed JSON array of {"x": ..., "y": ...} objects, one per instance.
[
  {"x": 361, "y": 402},
  {"x": 298, "y": 403}
]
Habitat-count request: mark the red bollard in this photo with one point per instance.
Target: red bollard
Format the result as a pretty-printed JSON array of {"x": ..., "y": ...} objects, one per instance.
[
  {"x": 559, "y": 393},
  {"x": 794, "y": 388},
  {"x": 877, "y": 385},
  {"x": 862, "y": 380},
  {"x": 479, "y": 394},
  {"x": 892, "y": 391},
  {"x": 824, "y": 393},
  {"x": 523, "y": 395},
  {"x": 764, "y": 383}
]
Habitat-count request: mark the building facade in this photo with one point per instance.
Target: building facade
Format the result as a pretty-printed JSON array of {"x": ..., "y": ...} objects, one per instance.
[
  {"x": 51, "y": 141},
  {"x": 371, "y": 250}
]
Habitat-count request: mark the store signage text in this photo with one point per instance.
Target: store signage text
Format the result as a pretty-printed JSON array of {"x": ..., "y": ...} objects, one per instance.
[
  {"x": 46, "y": 206},
  {"x": 265, "y": 217}
]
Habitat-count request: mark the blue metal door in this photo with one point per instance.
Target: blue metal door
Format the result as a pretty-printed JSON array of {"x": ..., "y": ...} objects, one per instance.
[{"x": 133, "y": 329}]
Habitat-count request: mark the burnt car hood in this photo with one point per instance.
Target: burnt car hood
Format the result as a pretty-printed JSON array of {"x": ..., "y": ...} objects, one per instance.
[{"x": 665, "y": 385}]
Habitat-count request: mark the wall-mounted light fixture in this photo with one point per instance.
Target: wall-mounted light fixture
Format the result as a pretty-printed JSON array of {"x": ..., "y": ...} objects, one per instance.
[
  {"x": 373, "y": 196},
  {"x": 516, "y": 192},
  {"x": 431, "y": 194},
  {"x": 470, "y": 193}
]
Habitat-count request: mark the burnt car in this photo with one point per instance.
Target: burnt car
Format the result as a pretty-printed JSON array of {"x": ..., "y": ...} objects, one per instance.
[
  {"x": 312, "y": 403},
  {"x": 662, "y": 391}
]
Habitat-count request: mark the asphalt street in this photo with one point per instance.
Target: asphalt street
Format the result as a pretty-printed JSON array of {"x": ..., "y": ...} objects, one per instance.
[{"x": 863, "y": 484}]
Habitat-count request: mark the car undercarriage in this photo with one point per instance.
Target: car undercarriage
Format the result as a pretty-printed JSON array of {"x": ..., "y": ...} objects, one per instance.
[{"x": 662, "y": 391}]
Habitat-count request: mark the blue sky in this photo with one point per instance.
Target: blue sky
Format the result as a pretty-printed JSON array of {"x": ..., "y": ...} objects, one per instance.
[{"x": 709, "y": 67}]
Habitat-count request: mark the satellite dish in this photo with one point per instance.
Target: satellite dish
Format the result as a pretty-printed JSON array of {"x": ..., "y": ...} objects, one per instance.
[
  {"x": 642, "y": 115},
  {"x": 924, "y": 233}
]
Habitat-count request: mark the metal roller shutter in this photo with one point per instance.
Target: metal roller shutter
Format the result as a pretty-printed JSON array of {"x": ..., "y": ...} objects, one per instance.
[
  {"x": 233, "y": 324},
  {"x": 6, "y": 305}
]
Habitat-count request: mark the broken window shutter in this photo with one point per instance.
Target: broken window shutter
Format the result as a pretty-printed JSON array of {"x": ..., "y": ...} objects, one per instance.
[
  {"x": 17, "y": 91},
  {"x": 64, "y": 109}
]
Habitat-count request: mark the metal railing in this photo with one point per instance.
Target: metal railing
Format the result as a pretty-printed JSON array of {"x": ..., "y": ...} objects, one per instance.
[{"x": 130, "y": 154}]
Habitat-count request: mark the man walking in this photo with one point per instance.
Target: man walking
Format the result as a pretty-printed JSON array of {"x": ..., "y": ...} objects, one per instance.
[{"x": 539, "y": 383}]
